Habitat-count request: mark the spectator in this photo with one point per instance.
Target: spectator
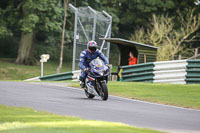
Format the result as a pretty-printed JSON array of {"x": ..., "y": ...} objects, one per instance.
[{"x": 132, "y": 59}]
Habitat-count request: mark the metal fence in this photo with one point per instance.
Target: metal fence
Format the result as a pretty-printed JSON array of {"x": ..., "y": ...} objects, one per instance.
[
  {"x": 175, "y": 72},
  {"x": 193, "y": 72},
  {"x": 89, "y": 25}
]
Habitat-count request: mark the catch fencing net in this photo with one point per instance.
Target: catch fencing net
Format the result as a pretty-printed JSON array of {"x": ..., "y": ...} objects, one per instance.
[{"x": 90, "y": 25}]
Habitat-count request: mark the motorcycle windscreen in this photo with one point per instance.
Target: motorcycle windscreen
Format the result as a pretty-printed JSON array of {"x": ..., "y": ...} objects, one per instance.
[{"x": 96, "y": 63}]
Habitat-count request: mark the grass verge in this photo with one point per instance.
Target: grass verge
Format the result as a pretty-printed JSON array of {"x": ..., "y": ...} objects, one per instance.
[
  {"x": 172, "y": 94},
  {"x": 11, "y": 71},
  {"x": 25, "y": 120}
]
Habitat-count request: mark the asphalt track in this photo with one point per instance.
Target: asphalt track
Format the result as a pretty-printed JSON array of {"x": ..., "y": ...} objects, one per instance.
[{"x": 59, "y": 99}]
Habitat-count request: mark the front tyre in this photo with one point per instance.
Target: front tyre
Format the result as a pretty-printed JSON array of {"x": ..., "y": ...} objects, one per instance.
[
  {"x": 103, "y": 91},
  {"x": 88, "y": 95}
]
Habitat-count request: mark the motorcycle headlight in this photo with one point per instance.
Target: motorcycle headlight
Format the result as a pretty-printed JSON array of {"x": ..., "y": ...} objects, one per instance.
[{"x": 101, "y": 73}]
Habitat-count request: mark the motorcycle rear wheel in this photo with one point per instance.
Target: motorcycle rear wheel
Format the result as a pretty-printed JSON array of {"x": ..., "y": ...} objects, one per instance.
[{"x": 104, "y": 91}]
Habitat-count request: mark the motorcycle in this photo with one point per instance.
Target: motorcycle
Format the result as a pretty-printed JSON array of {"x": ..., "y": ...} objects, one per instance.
[{"x": 96, "y": 80}]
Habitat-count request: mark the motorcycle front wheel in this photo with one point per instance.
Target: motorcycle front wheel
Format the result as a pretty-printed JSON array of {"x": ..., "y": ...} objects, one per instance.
[
  {"x": 103, "y": 91},
  {"x": 88, "y": 95}
]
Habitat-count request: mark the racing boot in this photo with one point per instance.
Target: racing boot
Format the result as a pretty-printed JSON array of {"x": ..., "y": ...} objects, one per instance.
[{"x": 82, "y": 82}]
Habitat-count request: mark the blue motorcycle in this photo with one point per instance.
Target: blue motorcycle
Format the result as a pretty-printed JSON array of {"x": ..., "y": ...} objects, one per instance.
[{"x": 96, "y": 80}]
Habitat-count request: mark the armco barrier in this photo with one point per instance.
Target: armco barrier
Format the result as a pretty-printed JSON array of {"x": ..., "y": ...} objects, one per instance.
[
  {"x": 170, "y": 71},
  {"x": 175, "y": 72},
  {"x": 58, "y": 77},
  {"x": 138, "y": 72},
  {"x": 193, "y": 72}
]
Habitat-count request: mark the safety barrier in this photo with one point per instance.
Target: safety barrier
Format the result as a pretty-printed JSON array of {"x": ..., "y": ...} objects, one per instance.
[
  {"x": 58, "y": 77},
  {"x": 139, "y": 72},
  {"x": 74, "y": 75},
  {"x": 170, "y": 71},
  {"x": 175, "y": 72},
  {"x": 193, "y": 72}
]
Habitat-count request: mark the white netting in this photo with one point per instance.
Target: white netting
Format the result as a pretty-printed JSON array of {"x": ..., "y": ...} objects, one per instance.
[{"x": 91, "y": 25}]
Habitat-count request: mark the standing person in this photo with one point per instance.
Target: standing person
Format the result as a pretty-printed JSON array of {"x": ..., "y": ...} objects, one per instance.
[
  {"x": 86, "y": 57},
  {"x": 132, "y": 59}
]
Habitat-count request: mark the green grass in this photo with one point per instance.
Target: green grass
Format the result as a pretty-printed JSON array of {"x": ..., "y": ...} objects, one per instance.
[
  {"x": 25, "y": 120},
  {"x": 179, "y": 95},
  {"x": 11, "y": 71}
]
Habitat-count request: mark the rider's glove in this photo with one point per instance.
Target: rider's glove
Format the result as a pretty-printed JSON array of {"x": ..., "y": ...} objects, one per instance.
[
  {"x": 108, "y": 65},
  {"x": 86, "y": 70}
]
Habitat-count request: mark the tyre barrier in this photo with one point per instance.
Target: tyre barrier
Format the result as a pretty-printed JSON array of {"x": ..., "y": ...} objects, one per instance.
[{"x": 175, "y": 72}]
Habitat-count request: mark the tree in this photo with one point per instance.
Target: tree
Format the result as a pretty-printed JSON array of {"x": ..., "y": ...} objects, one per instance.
[
  {"x": 169, "y": 38},
  {"x": 37, "y": 15},
  {"x": 63, "y": 37},
  {"x": 135, "y": 14},
  {"x": 25, "y": 19},
  {"x": 29, "y": 21}
]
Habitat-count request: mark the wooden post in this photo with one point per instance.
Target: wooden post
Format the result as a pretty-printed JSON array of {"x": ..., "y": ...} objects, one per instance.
[
  {"x": 145, "y": 58},
  {"x": 196, "y": 52},
  {"x": 42, "y": 69},
  {"x": 119, "y": 59},
  {"x": 179, "y": 56}
]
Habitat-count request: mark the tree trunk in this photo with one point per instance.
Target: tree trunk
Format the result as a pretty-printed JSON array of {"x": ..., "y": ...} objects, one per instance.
[
  {"x": 26, "y": 45},
  {"x": 63, "y": 37},
  {"x": 26, "y": 48}
]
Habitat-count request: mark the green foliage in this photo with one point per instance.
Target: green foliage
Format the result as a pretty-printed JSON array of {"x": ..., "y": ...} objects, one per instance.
[
  {"x": 29, "y": 23},
  {"x": 136, "y": 14},
  {"x": 29, "y": 15},
  {"x": 112, "y": 8},
  {"x": 53, "y": 50},
  {"x": 45, "y": 17},
  {"x": 42, "y": 15},
  {"x": 4, "y": 31},
  {"x": 170, "y": 39}
]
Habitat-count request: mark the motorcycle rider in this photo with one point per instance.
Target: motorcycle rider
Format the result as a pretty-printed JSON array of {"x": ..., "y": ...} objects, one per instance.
[{"x": 86, "y": 57}]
